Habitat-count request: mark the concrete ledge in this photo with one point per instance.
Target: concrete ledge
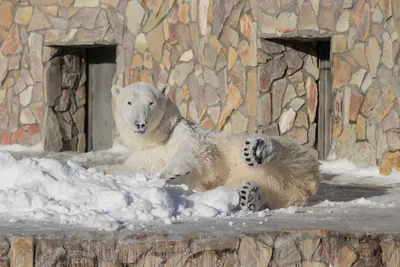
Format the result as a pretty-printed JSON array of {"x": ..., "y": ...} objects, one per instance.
[{"x": 308, "y": 248}]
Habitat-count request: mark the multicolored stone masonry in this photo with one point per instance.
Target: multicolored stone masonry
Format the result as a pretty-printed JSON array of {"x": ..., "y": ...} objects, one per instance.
[
  {"x": 234, "y": 66},
  {"x": 306, "y": 248}
]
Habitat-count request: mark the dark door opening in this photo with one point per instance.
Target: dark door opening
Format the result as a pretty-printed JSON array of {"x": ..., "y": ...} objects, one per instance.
[{"x": 325, "y": 100}]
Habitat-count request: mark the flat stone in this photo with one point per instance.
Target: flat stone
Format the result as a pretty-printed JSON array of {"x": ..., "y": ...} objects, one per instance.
[
  {"x": 51, "y": 134},
  {"x": 211, "y": 97},
  {"x": 4, "y": 118},
  {"x": 19, "y": 85},
  {"x": 21, "y": 251},
  {"x": 286, "y": 251},
  {"x": 264, "y": 110},
  {"x": 212, "y": 78},
  {"x": 286, "y": 120},
  {"x": 358, "y": 53},
  {"x": 244, "y": 53},
  {"x": 386, "y": 6},
  {"x": 35, "y": 43},
  {"x": 387, "y": 52},
  {"x": 26, "y": 116},
  {"x": 391, "y": 161},
  {"x": 239, "y": 123},
  {"x": 289, "y": 95},
  {"x": 80, "y": 96},
  {"x": 358, "y": 77},
  {"x": 179, "y": 33},
  {"x": 187, "y": 56},
  {"x": 381, "y": 143},
  {"x": 370, "y": 100},
  {"x": 391, "y": 121},
  {"x": 245, "y": 25},
  {"x": 297, "y": 103},
  {"x": 26, "y": 96},
  {"x": 59, "y": 23},
  {"x": 155, "y": 42},
  {"x": 385, "y": 103},
  {"x": 345, "y": 149},
  {"x": 339, "y": 43},
  {"x": 311, "y": 67},
  {"x": 233, "y": 38},
  {"x": 254, "y": 253},
  {"x": 366, "y": 83},
  {"x": 86, "y": 3},
  {"x": 222, "y": 10},
  {"x": 307, "y": 20},
  {"x": 203, "y": 9},
  {"x": 312, "y": 98},
  {"x": 343, "y": 72},
  {"x": 351, "y": 39},
  {"x": 23, "y": 15},
  {"x": 134, "y": 13},
  {"x": 272, "y": 47},
  {"x": 183, "y": 13},
  {"x": 267, "y": 24},
  {"x": 373, "y": 54},
  {"x": 286, "y": 22},
  {"x": 214, "y": 113},
  {"x": 12, "y": 43},
  {"x": 39, "y": 21},
  {"x": 356, "y": 100},
  {"x": 2, "y": 96},
  {"x": 271, "y": 71},
  {"x": 238, "y": 75},
  {"x": 293, "y": 61},
  {"x": 6, "y": 14},
  {"x": 360, "y": 127},
  {"x": 147, "y": 61},
  {"x": 233, "y": 101},
  {"x": 364, "y": 155},
  {"x": 278, "y": 91},
  {"x": 308, "y": 247},
  {"x": 327, "y": 19},
  {"x": 363, "y": 24},
  {"x": 180, "y": 72},
  {"x": 393, "y": 140},
  {"x": 377, "y": 15},
  {"x": 342, "y": 24},
  {"x": 298, "y": 82},
  {"x": 54, "y": 35},
  {"x": 3, "y": 67},
  {"x": 270, "y": 6}
]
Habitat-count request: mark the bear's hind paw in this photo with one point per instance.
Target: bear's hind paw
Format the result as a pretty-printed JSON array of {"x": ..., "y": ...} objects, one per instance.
[
  {"x": 257, "y": 151},
  {"x": 175, "y": 173},
  {"x": 250, "y": 196}
]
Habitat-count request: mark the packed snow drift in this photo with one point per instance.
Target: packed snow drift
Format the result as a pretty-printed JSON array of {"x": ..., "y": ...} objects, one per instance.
[{"x": 46, "y": 189}]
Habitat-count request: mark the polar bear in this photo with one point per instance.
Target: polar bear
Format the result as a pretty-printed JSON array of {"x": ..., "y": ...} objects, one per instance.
[{"x": 267, "y": 172}]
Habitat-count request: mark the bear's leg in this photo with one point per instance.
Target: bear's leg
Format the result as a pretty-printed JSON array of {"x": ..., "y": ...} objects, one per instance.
[
  {"x": 251, "y": 196},
  {"x": 259, "y": 150},
  {"x": 176, "y": 170}
]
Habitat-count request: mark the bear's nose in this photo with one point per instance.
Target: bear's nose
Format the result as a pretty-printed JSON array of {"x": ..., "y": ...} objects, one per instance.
[{"x": 141, "y": 124}]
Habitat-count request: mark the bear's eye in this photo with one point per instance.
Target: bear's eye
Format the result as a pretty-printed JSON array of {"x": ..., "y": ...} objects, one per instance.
[
  {"x": 129, "y": 103},
  {"x": 151, "y": 103}
]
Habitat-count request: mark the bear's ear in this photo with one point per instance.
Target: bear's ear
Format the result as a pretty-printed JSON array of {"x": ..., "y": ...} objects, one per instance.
[
  {"x": 164, "y": 90},
  {"x": 116, "y": 90}
]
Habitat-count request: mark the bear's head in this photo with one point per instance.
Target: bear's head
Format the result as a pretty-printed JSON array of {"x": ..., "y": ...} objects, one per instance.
[{"x": 140, "y": 106}]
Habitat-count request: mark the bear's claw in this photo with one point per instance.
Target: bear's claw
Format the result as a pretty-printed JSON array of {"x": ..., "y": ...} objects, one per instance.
[
  {"x": 257, "y": 151},
  {"x": 250, "y": 196}
]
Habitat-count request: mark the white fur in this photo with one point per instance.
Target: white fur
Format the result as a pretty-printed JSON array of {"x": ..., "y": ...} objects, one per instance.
[{"x": 204, "y": 159}]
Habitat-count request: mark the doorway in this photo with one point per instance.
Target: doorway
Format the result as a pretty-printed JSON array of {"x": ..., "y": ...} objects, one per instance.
[{"x": 77, "y": 86}]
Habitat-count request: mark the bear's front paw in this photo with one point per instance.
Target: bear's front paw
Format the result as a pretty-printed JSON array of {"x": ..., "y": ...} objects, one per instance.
[
  {"x": 250, "y": 196},
  {"x": 171, "y": 174},
  {"x": 257, "y": 151}
]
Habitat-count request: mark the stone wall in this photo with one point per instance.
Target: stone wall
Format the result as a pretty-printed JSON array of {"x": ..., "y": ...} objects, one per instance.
[
  {"x": 212, "y": 55},
  {"x": 302, "y": 248}
]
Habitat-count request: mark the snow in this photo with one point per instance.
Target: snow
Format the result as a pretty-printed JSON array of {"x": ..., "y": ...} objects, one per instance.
[
  {"x": 64, "y": 189},
  {"x": 47, "y": 189}
]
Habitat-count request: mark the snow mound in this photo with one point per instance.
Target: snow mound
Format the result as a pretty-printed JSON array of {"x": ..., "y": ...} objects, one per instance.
[{"x": 48, "y": 190}]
